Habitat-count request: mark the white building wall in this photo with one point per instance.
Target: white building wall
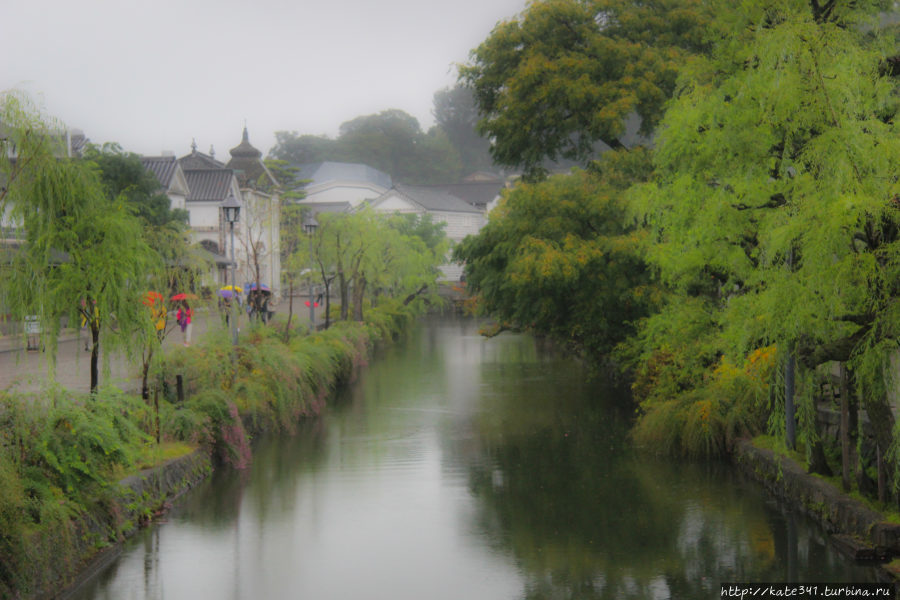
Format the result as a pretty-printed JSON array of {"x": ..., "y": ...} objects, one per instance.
[
  {"x": 459, "y": 225},
  {"x": 354, "y": 194}
]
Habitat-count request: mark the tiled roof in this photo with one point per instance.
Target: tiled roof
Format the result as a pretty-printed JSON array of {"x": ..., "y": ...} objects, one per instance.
[
  {"x": 198, "y": 160},
  {"x": 248, "y": 165},
  {"x": 323, "y": 172},
  {"x": 432, "y": 198},
  {"x": 208, "y": 184},
  {"x": 161, "y": 166},
  {"x": 327, "y": 207},
  {"x": 478, "y": 194}
]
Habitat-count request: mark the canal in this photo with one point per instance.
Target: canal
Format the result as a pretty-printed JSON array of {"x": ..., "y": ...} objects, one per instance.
[{"x": 458, "y": 467}]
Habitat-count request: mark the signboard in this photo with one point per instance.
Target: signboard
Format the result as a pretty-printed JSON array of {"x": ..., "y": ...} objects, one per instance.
[
  {"x": 33, "y": 332},
  {"x": 32, "y": 325}
]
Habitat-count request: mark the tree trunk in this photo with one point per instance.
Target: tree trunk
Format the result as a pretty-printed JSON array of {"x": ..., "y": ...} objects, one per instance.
[
  {"x": 359, "y": 291},
  {"x": 412, "y": 296},
  {"x": 145, "y": 389},
  {"x": 95, "y": 357},
  {"x": 327, "y": 303},
  {"x": 345, "y": 296},
  {"x": 287, "y": 326},
  {"x": 882, "y": 419},
  {"x": 845, "y": 428}
]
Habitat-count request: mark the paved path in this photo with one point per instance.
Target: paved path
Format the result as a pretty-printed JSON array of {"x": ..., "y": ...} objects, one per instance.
[{"x": 25, "y": 371}]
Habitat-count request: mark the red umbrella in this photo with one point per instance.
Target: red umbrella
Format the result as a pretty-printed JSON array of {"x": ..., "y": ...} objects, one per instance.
[{"x": 184, "y": 296}]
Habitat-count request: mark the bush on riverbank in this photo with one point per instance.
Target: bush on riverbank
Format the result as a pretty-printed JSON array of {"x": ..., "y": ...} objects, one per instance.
[
  {"x": 706, "y": 419},
  {"x": 61, "y": 454}
]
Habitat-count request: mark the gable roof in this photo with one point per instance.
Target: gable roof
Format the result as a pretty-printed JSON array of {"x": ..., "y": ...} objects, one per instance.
[
  {"x": 323, "y": 172},
  {"x": 161, "y": 166},
  {"x": 208, "y": 184},
  {"x": 478, "y": 194},
  {"x": 198, "y": 160},
  {"x": 327, "y": 207},
  {"x": 430, "y": 198}
]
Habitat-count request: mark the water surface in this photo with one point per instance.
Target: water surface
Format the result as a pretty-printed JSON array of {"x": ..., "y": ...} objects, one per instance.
[{"x": 464, "y": 468}]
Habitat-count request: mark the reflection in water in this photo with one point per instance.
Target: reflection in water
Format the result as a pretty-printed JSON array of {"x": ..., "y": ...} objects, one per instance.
[{"x": 459, "y": 467}]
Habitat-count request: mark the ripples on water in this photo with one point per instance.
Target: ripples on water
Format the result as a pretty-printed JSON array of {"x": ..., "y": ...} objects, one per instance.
[{"x": 465, "y": 468}]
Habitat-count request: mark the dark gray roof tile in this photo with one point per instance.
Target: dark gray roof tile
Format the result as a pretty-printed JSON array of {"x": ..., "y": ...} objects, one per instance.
[
  {"x": 432, "y": 198},
  {"x": 161, "y": 166},
  {"x": 208, "y": 184}
]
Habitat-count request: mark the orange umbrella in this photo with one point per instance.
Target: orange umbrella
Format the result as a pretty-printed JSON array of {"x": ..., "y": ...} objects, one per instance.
[{"x": 151, "y": 298}]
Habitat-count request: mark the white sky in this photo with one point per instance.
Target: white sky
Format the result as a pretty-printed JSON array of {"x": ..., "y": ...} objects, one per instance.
[{"x": 154, "y": 74}]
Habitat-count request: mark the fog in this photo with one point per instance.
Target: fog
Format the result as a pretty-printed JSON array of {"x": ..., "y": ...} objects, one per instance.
[{"x": 155, "y": 76}]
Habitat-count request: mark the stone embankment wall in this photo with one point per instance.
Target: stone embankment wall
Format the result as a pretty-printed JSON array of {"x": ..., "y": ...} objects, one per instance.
[
  {"x": 141, "y": 498},
  {"x": 837, "y": 513}
]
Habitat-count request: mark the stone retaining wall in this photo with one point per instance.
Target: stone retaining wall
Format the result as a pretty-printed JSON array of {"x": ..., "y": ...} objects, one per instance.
[
  {"x": 142, "y": 496},
  {"x": 836, "y": 512}
]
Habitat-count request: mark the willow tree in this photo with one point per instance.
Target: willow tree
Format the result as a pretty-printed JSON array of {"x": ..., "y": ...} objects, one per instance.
[
  {"x": 83, "y": 255},
  {"x": 776, "y": 201}
]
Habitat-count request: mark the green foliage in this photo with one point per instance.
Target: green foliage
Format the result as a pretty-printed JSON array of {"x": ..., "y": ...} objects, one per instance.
[
  {"x": 122, "y": 173},
  {"x": 559, "y": 258},
  {"x": 387, "y": 256},
  {"x": 84, "y": 254},
  {"x": 702, "y": 420},
  {"x": 567, "y": 74},
  {"x": 773, "y": 202},
  {"x": 286, "y": 175},
  {"x": 60, "y": 454}
]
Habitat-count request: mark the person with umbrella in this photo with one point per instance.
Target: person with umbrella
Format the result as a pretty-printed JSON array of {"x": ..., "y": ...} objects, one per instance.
[
  {"x": 184, "y": 316},
  {"x": 226, "y": 295}
]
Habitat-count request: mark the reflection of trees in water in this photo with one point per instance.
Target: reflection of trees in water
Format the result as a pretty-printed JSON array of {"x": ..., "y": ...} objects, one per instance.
[
  {"x": 585, "y": 518},
  {"x": 271, "y": 479}
]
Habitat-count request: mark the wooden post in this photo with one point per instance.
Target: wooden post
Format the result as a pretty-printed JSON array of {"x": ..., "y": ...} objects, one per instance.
[
  {"x": 179, "y": 388},
  {"x": 156, "y": 408}
]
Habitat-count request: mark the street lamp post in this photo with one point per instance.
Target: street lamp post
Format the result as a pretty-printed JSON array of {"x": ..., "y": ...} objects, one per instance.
[
  {"x": 232, "y": 209},
  {"x": 309, "y": 226}
]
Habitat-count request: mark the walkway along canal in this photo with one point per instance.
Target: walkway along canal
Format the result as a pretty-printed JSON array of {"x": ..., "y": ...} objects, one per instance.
[{"x": 461, "y": 467}]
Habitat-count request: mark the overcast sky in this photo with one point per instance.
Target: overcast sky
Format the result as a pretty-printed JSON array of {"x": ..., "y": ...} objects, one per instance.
[{"x": 153, "y": 75}]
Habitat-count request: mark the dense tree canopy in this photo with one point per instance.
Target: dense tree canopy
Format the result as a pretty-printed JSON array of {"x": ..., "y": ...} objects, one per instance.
[
  {"x": 556, "y": 257},
  {"x": 774, "y": 207},
  {"x": 568, "y": 74}
]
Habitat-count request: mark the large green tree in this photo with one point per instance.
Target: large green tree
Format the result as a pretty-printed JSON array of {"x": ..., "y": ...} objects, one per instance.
[
  {"x": 164, "y": 229},
  {"x": 84, "y": 256},
  {"x": 456, "y": 115},
  {"x": 775, "y": 206},
  {"x": 369, "y": 254},
  {"x": 566, "y": 75},
  {"x": 558, "y": 257}
]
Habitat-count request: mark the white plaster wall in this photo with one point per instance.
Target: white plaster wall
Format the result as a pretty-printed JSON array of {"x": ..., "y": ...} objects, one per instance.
[
  {"x": 204, "y": 216},
  {"x": 459, "y": 225},
  {"x": 396, "y": 204},
  {"x": 347, "y": 192}
]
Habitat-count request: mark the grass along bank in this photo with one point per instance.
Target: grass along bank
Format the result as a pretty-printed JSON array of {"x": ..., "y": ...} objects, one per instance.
[{"x": 63, "y": 455}]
